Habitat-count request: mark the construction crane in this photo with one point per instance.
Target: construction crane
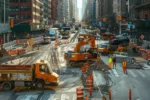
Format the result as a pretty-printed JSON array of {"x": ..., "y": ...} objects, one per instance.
[{"x": 78, "y": 57}]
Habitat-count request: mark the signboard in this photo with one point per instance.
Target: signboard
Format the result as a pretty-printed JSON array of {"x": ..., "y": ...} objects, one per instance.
[
  {"x": 52, "y": 31},
  {"x": 31, "y": 42}
]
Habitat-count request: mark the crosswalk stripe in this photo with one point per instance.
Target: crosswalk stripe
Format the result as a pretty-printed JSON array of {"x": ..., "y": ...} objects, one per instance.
[
  {"x": 133, "y": 74},
  {"x": 141, "y": 73},
  {"x": 115, "y": 72}
]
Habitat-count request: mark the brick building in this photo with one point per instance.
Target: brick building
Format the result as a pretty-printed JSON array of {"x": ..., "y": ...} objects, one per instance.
[{"x": 28, "y": 15}]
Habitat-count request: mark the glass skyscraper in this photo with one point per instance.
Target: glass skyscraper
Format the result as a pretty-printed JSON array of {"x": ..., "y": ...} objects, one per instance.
[{"x": 4, "y": 8}]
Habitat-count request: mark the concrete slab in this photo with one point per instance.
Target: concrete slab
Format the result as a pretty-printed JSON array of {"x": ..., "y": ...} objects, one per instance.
[{"x": 99, "y": 79}]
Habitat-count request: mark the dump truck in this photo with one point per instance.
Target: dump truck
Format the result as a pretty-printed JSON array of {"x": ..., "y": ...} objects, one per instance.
[
  {"x": 79, "y": 57},
  {"x": 37, "y": 75},
  {"x": 65, "y": 33}
]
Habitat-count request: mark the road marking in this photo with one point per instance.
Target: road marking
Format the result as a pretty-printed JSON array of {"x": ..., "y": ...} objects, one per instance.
[
  {"x": 65, "y": 97},
  {"x": 132, "y": 73},
  {"x": 115, "y": 72},
  {"x": 28, "y": 97},
  {"x": 141, "y": 73},
  {"x": 74, "y": 97}
]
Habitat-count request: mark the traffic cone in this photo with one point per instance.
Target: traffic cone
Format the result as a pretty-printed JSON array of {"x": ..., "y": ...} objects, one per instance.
[
  {"x": 90, "y": 90},
  {"x": 110, "y": 94},
  {"x": 130, "y": 94}
]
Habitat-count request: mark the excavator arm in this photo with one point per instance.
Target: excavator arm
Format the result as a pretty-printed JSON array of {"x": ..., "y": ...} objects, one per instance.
[{"x": 87, "y": 38}]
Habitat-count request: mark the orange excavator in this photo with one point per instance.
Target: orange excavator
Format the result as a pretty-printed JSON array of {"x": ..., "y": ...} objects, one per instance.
[{"x": 78, "y": 57}]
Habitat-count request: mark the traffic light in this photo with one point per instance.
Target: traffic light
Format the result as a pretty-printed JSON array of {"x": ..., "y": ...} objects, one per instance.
[
  {"x": 104, "y": 19},
  {"x": 119, "y": 18},
  {"x": 11, "y": 22},
  {"x": 30, "y": 23}
]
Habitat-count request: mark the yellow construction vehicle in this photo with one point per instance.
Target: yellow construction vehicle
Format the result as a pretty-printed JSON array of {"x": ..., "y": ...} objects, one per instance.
[{"x": 78, "y": 57}]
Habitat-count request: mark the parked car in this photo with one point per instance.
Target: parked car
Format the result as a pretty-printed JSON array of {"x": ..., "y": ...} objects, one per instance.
[{"x": 120, "y": 40}]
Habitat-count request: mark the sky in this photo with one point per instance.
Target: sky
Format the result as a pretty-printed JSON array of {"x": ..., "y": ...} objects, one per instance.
[
  {"x": 79, "y": 2},
  {"x": 79, "y": 5}
]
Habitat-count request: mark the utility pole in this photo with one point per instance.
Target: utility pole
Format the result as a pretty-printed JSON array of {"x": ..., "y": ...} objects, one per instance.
[{"x": 4, "y": 12}]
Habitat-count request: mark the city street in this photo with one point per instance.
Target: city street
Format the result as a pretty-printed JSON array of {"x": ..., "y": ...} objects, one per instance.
[
  {"x": 135, "y": 79},
  {"x": 70, "y": 78}
]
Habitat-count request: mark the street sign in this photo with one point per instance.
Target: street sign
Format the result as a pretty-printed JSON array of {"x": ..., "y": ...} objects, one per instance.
[
  {"x": 31, "y": 42},
  {"x": 142, "y": 37}
]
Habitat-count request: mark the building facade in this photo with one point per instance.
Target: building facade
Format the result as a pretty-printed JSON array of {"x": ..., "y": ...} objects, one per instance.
[
  {"x": 60, "y": 11},
  {"x": 28, "y": 14},
  {"x": 54, "y": 11},
  {"x": 4, "y": 21},
  {"x": 143, "y": 7}
]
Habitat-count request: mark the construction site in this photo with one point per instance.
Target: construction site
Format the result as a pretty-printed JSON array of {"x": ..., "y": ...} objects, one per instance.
[{"x": 76, "y": 69}]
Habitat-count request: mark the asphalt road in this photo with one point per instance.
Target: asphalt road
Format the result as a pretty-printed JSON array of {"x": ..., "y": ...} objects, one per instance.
[
  {"x": 69, "y": 78},
  {"x": 136, "y": 79}
]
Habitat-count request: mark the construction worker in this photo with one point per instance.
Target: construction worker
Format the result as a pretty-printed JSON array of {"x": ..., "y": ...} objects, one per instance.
[
  {"x": 114, "y": 62},
  {"x": 110, "y": 62},
  {"x": 124, "y": 66}
]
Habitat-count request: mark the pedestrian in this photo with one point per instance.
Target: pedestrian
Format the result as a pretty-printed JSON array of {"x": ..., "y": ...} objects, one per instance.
[
  {"x": 110, "y": 62},
  {"x": 114, "y": 62},
  {"x": 124, "y": 66}
]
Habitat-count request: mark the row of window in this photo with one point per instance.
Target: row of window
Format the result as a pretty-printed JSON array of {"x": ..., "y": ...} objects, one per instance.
[
  {"x": 23, "y": 1},
  {"x": 21, "y": 16},
  {"x": 22, "y": 8}
]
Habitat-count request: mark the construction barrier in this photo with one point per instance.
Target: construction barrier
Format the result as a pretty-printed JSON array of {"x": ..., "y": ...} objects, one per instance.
[
  {"x": 130, "y": 94},
  {"x": 85, "y": 67},
  {"x": 110, "y": 94},
  {"x": 22, "y": 41},
  {"x": 15, "y": 52},
  {"x": 80, "y": 93}
]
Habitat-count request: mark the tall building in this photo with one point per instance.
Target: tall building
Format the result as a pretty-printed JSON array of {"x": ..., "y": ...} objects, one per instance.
[
  {"x": 4, "y": 20},
  {"x": 60, "y": 11},
  {"x": 54, "y": 11},
  {"x": 28, "y": 14},
  {"x": 46, "y": 12},
  {"x": 143, "y": 7}
]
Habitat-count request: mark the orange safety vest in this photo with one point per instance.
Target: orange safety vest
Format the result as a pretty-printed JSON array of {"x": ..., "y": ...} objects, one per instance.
[
  {"x": 86, "y": 98},
  {"x": 124, "y": 63}
]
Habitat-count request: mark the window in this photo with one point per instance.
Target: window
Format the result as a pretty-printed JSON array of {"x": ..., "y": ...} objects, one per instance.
[
  {"x": 24, "y": 8},
  {"x": 43, "y": 68},
  {"x": 14, "y": 8},
  {"x": 24, "y": 1},
  {"x": 13, "y": 0}
]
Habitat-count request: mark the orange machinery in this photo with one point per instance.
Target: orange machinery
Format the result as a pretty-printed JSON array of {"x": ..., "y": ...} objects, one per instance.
[
  {"x": 77, "y": 57},
  {"x": 108, "y": 36},
  {"x": 38, "y": 75}
]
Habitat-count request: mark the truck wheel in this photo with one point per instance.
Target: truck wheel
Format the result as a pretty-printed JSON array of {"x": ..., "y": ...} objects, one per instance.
[
  {"x": 148, "y": 62},
  {"x": 39, "y": 84},
  {"x": 6, "y": 86}
]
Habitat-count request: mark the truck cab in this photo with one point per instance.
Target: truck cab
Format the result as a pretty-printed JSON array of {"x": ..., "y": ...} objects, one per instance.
[{"x": 53, "y": 33}]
